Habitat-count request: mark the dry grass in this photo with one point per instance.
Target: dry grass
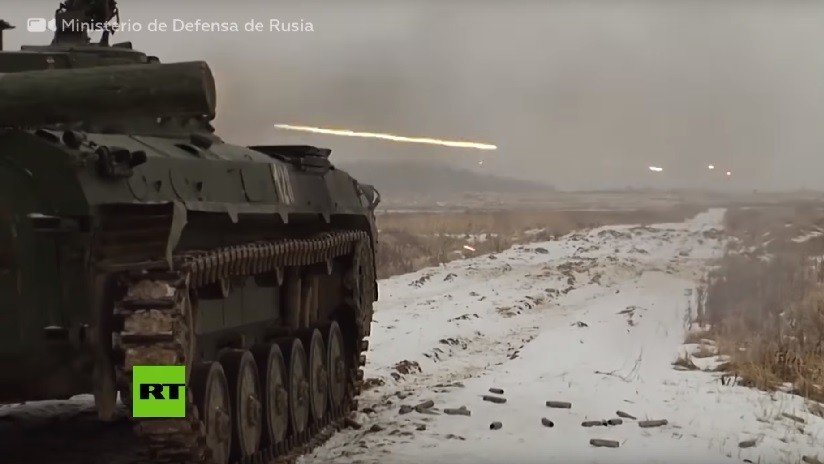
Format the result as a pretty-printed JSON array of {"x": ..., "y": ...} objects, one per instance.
[
  {"x": 412, "y": 241},
  {"x": 767, "y": 311}
]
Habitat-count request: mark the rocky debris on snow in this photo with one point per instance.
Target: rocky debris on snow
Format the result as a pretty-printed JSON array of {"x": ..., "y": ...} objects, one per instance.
[
  {"x": 497, "y": 391},
  {"x": 495, "y": 425},
  {"x": 713, "y": 234},
  {"x": 529, "y": 302},
  {"x": 375, "y": 428},
  {"x": 424, "y": 406},
  {"x": 463, "y": 317},
  {"x": 541, "y": 250},
  {"x": 604, "y": 443},
  {"x": 684, "y": 363},
  {"x": 407, "y": 367},
  {"x": 405, "y": 409},
  {"x": 613, "y": 234},
  {"x": 420, "y": 427},
  {"x": 494, "y": 399},
  {"x": 552, "y": 291},
  {"x": 629, "y": 310},
  {"x": 450, "y": 276},
  {"x": 352, "y": 423},
  {"x": 372, "y": 382},
  {"x": 614, "y": 422},
  {"x": 452, "y": 436},
  {"x": 436, "y": 354},
  {"x": 462, "y": 411},
  {"x": 580, "y": 324},
  {"x": 506, "y": 311},
  {"x": 794, "y": 418},
  {"x": 559, "y": 404},
  {"x": 581, "y": 249},
  {"x": 638, "y": 230},
  {"x": 454, "y": 342},
  {"x": 545, "y": 271},
  {"x": 747, "y": 443},
  {"x": 652, "y": 423},
  {"x": 624, "y": 415},
  {"x": 547, "y": 423},
  {"x": 420, "y": 281}
]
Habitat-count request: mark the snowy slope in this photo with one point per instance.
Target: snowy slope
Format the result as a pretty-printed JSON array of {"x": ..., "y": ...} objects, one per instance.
[{"x": 595, "y": 319}]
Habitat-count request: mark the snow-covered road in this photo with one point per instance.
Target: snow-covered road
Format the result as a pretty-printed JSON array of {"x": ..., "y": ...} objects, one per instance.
[{"x": 594, "y": 319}]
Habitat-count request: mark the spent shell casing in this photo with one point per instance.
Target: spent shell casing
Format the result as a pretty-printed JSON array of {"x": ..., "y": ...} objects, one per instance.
[{"x": 559, "y": 404}]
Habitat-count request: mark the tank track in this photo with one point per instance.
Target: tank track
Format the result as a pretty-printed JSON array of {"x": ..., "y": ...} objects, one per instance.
[{"x": 158, "y": 329}]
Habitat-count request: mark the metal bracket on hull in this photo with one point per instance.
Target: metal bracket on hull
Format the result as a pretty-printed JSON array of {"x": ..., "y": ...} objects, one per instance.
[{"x": 179, "y": 219}]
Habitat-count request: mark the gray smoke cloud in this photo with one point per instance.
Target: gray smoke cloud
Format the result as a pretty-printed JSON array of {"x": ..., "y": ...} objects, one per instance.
[{"x": 583, "y": 95}]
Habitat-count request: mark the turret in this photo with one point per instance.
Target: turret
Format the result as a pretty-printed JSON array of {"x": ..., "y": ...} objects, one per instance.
[{"x": 103, "y": 93}]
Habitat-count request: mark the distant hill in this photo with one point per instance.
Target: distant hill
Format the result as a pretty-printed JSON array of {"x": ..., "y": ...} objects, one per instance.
[{"x": 403, "y": 176}]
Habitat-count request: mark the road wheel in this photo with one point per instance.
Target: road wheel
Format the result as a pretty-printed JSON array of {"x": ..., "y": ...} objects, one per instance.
[
  {"x": 211, "y": 396},
  {"x": 318, "y": 375},
  {"x": 272, "y": 370},
  {"x": 247, "y": 421},
  {"x": 298, "y": 385},
  {"x": 336, "y": 366}
]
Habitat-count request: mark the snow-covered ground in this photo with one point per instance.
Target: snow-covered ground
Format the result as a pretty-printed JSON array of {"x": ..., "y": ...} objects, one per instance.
[
  {"x": 806, "y": 237},
  {"x": 595, "y": 319}
]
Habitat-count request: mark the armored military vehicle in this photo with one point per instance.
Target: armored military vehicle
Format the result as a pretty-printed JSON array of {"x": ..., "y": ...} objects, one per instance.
[{"x": 132, "y": 235}]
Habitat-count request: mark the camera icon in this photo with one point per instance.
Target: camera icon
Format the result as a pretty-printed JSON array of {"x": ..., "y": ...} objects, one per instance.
[{"x": 37, "y": 24}]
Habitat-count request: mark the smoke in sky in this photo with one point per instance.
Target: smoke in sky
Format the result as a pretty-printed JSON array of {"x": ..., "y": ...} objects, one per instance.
[{"x": 581, "y": 95}]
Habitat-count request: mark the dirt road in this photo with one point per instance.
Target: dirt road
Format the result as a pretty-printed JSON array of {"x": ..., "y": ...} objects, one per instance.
[{"x": 594, "y": 319}]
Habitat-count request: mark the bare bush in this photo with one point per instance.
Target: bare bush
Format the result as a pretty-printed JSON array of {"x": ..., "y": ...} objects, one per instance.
[
  {"x": 411, "y": 241},
  {"x": 767, "y": 311}
]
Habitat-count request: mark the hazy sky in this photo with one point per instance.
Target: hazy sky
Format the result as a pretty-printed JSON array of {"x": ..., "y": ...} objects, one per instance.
[{"x": 580, "y": 94}]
